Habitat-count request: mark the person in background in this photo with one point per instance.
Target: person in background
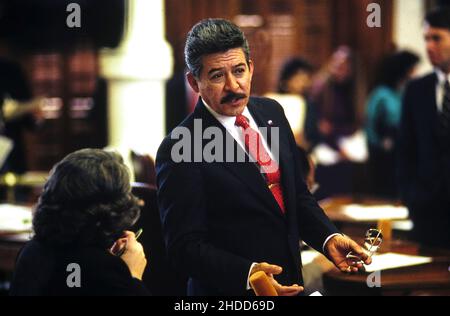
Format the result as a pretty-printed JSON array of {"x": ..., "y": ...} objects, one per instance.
[
  {"x": 180, "y": 100},
  {"x": 383, "y": 120},
  {"x": 82, "y": 218},
  {"x": 333, "y": 113},
  {"x": 331, "y": 125},
  {"x": 293, "y": 86},
  {"x": 308, "y": 169},
  {"x": 424, "y": 142},
  {"x": 18, "y": 110}
]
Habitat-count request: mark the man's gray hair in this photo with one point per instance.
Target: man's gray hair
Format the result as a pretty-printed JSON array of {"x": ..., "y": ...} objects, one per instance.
[{"x": 212, "y": 36}]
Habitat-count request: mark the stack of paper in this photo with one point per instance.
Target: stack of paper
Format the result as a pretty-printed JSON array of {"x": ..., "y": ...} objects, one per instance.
[
  {"x": 388, "y": 261},
  {"x": 355, "y": 147},
  {"x": 375, "y": 213},
  {"x": 15, "y": 218},
  {"x": 325, "y": 155}
]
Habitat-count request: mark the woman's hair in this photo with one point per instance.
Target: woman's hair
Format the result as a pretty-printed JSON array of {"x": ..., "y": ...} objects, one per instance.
[
  {"x": 86, "y": 201},
  {"x": 289, "y": 69},
  {"x": 395, "y": 68}
]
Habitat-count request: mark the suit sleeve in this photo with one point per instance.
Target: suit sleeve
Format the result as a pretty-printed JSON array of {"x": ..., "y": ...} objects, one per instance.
[
  {"x": 406, "y": 147},
  {"x": 314, "y": 226},
  {"x": 182, "y": 205}
]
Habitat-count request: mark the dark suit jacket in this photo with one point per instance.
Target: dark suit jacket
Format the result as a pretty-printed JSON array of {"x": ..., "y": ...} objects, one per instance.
[
  {"x": 424, "y": 163},
  {"x": 41, "y": 270},
  {"x": 220, "y": 217}
]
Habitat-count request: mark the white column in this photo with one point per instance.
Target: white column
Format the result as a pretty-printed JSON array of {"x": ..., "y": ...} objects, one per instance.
[
  {"x": 408, "y": 29},
  {"x": 136, "y": 74}
]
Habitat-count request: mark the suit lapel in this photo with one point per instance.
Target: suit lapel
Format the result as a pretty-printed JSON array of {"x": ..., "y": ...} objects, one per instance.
[{"x": 246, "y": 172}]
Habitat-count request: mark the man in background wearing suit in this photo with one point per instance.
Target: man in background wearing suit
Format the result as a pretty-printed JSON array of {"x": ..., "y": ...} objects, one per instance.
[
  {"x": 223, "y": 219},
  {"x": 424, "y": 166}
]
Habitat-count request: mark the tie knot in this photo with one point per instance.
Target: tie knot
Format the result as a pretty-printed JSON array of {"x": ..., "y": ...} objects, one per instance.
[{"x": 242, "y": 121}]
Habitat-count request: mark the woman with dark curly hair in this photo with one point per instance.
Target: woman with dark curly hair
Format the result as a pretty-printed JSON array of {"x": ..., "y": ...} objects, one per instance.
[{"x": 80, "y": 225}]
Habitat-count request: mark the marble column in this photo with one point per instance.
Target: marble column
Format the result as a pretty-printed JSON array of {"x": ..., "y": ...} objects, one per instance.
[{"x": 136, "y": 73}]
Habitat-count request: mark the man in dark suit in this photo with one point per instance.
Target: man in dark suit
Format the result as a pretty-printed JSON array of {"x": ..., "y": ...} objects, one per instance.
[
  {"x": 424, "y": 142},
  {"x": 232, "y": 201}
]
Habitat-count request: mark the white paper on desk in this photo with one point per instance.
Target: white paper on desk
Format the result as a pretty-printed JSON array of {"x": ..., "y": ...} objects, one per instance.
[
  {"x": 15, "y": 218},
  {"x": 6, "y": 145},
  {"x": 375, "y": 213},
  {"x": 325, "y": 155},
  {"x": 390, "y": 260},
  {"x": 355, "y": 147}
]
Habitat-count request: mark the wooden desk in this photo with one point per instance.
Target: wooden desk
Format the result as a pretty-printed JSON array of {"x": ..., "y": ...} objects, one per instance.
[
  {"x": 334, "y": 208},
  {"x": 11, "y": 239},
  {"x": 427, "y": 279},
  {"x": 31, "y": 182}
]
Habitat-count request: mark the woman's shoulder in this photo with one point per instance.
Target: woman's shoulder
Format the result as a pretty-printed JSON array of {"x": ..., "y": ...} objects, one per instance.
[
  {"x": 35, "y": 253},
  {"x": 35, "y": 265},
  {"x": 384, "y": 92},
  {"x": 98, "y": 271},
  {"x": 91, "y": 256},
  {"x": 106, "y": 274}
]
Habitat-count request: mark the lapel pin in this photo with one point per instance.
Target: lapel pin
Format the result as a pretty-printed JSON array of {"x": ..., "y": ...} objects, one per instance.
[{"x": 270, "y": 122}]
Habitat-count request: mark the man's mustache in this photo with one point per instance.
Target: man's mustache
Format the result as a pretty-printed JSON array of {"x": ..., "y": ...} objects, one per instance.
[{"x": 231, "y": 96}]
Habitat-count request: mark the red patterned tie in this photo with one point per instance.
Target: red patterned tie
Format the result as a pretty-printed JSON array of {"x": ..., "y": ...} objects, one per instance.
[{"x": 255, "y": 148}]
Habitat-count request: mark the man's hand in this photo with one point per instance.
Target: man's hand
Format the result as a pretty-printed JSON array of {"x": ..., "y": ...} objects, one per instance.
[
  {"x": 337, "y": 249},
  {"x": 272, "y": 270}
]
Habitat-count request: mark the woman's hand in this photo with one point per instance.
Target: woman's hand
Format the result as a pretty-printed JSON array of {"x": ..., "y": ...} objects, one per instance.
[{"x": 133, "y": 256}]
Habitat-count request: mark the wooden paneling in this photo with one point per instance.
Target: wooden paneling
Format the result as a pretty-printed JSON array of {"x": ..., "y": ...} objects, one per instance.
[
  {"x": 308, "y": 28},
  {"x": 369, "y": 44},
  {"x": 75, "y": 114}
]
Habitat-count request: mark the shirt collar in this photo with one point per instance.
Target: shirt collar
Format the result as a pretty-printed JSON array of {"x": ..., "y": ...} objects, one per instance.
[
  {"x": 227, "y": 121},
  {"x": 442, "y": 77}
]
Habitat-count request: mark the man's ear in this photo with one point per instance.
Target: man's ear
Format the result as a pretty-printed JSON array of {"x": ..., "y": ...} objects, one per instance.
[
  {"x": 251, "y": 67},
  {"x": 192, "y": 82}
]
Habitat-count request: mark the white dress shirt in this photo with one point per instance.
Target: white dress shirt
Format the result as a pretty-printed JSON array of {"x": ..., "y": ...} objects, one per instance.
[
  {"x": 236, "y": 131},
  {"x": 440, "y": 88}
]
